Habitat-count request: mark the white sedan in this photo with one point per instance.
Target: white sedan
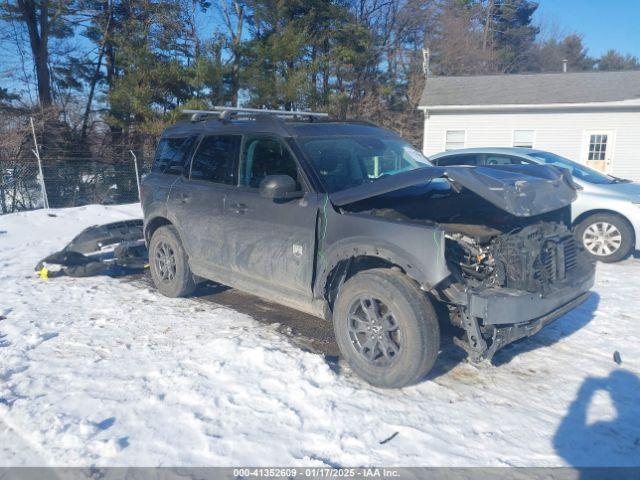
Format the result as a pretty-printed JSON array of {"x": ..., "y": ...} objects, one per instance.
[{"x": 606, "y": 214}]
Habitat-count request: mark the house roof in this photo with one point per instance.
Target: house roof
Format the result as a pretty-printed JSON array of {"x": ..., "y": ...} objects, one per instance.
[{"x": 532, "y": 89}]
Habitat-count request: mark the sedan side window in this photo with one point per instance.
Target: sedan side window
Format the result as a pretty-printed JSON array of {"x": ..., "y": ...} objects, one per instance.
[
  {"x": 263, "y": 156},
  {"x": 457, "y": 160},
  {"x": 215, "y": 159},
  {"x": 505, "y": 160}
]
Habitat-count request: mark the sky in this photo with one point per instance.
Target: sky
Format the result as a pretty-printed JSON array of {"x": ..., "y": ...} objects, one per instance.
[{"x": 604, "y": 24}]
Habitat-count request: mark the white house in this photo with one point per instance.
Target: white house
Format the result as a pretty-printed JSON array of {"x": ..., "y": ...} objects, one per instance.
[{"x": 593, "y": 117}]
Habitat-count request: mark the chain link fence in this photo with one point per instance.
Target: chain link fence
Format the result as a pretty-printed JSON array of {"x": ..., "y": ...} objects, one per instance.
[
  {"x": 71, "y": 179},
  {"x": 67, "y": 183},
  {"x": 19, "y": 186}
]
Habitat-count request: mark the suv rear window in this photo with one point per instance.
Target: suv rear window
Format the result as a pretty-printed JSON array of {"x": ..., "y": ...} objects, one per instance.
[
  {"x": 215, "y": 159},
  {"x": 171, "y": 154}
]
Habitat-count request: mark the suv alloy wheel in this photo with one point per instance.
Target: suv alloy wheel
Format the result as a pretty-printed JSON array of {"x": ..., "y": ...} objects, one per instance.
[{"x": 386, "y": 328}]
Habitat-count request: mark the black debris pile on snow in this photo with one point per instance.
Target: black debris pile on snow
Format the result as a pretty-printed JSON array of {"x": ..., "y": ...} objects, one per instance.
[{"x": 112, "y": 249}]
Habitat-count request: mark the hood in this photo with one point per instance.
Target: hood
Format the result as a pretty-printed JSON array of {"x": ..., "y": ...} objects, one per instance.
[{"x": 522, "y": 190}]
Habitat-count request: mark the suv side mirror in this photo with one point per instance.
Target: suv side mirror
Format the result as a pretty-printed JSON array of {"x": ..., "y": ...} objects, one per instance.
[{"x": 279, "y": 187}]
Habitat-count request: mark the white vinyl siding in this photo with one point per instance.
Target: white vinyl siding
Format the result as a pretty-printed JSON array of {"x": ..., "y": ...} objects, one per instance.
[
  {"x": 523, "y": 138},
  {"x": 454, "y": 139},
  {"x": 559, "y": 131}
]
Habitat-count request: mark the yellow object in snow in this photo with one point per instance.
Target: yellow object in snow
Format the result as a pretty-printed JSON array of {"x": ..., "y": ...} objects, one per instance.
[{"x": 44, "y": 273}]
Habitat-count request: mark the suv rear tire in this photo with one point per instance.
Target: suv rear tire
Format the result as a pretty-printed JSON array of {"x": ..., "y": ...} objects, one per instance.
[
  {"x": 605, "y": 237},
  {"x": 169, "y": 264},
  {"x": 381, "y": 310}
]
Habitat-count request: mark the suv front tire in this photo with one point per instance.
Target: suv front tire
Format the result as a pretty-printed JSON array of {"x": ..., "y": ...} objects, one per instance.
[
  {"x": 169, "y": 264},
  {"x": 386, "y": 328}
]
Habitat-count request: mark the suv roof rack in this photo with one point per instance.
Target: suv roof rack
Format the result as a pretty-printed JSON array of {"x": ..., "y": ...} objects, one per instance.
[{"x": 225, "y": 113}]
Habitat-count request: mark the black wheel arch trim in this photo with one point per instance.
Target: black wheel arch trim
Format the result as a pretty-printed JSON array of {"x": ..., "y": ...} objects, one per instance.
[
  {"x": 354, "y": 248},
  {"x": 153, "y": 224}
]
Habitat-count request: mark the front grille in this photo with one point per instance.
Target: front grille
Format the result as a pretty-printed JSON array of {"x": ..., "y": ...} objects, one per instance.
[
  {"x": 570, "y": 253},
  {"x": 557, "y": 258},
  {"x": 534, "y": 259},
  {"x": 549, "y": 261}
]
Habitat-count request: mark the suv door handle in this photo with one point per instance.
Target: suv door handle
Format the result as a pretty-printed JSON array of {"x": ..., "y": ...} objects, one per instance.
[
  {"x": 238, "y": 207},
  {"x": 184, "y": 198}
]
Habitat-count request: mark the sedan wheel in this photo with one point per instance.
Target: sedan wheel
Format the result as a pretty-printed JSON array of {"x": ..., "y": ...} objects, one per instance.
[
  {"x": 602, "y": 239},
  {"x": 606, "y": 237}
]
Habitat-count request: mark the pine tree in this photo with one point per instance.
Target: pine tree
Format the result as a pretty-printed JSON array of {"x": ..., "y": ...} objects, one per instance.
[
  {"x": 303, "y": 53},
  {"x": 552, "y": 54},
  {"x": 512, "y": 33},
  {"x": 613, "y": 60}
]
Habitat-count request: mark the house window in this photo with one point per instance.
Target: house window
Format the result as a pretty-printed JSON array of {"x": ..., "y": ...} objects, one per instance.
[
  {"x": 523, "y": 138},
  {"x": 454, "y": 139},
  {"x": 597, "y": 146}
]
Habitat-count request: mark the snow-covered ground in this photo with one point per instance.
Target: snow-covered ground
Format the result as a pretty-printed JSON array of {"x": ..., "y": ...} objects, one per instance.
[{"x": 98, "y": 371}]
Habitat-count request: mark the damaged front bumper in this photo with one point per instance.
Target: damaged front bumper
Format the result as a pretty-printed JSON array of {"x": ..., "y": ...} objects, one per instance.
[
  {"x": 112, "y": 248},
  {"x": 499, "y": 306},
  {"x": 488, "y": 315}
]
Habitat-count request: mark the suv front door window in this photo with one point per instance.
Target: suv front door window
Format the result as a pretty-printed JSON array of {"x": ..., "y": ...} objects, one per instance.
[
  {"x": 268, "y": 239},
  {"x": 263, "y": 156}
]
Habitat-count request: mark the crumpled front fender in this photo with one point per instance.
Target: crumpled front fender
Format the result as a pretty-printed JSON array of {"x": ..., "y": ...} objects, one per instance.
[{"x": 417, "y": 249}]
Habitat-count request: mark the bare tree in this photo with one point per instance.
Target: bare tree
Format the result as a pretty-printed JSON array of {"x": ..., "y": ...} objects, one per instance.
[
  {"x": 233, "y": 13},
  {"x": 37, "y": 16},
  {"x": 103, "y": 21},
  {"x": 459, "y": 44}
]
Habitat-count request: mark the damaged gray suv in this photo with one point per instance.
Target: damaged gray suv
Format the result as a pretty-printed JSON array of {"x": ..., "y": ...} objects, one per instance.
[{"x": 346, "y": 221}]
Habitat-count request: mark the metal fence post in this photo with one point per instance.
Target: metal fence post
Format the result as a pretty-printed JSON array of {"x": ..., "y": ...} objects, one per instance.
[
  {"x": 135, "y": 164},
  {"x": 36, "y": 152}
]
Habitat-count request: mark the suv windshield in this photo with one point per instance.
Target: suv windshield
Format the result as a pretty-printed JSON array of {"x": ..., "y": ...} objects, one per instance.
[
  {"x": 345, "y": 162},
  {"x": 581, "y": 172}
]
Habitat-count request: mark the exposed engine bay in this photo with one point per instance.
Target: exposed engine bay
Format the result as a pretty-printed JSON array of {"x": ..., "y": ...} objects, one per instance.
[
  {"x": 507, "y": 271},
  {"x": 531, "y": 258},
  {"x": 486, "y": 246}
]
